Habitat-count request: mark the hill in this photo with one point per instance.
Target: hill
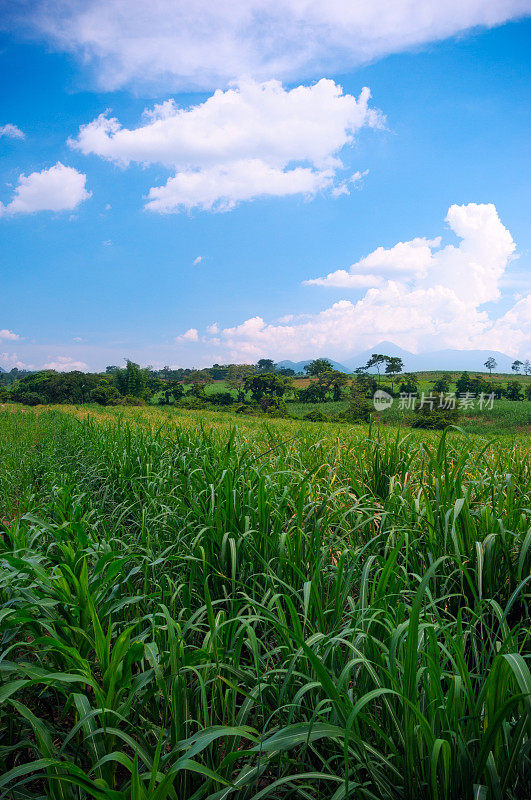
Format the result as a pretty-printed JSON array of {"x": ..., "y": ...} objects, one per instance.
[
  {"x": 298, "y": 366},
  {"x": 443, "y": 360}
]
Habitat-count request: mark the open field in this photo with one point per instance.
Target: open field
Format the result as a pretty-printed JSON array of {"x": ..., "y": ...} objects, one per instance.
[
  {"x": 203, "y": 605},
  {"x": 505, "y": 417}
]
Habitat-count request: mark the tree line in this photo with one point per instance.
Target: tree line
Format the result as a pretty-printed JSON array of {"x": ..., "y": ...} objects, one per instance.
[{"x": 248, "y": 388}]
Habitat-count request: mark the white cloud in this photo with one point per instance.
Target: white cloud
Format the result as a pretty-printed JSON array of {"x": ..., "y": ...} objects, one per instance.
[
  {"x": 66, "y": 364},
  {"x": 191, "y": 335},
  {"x": 253, "y": 140},
  {"x": 344, "y": 187},
  {"x": 59, "y": 188},
  {"x": 8, "y": 335},
  {"x": 11, "y": 131},
  {"x": 197, "y": 260},
  {"x": 10, "y": 360},
  {"x": 405, "y": 259},
  {"x": 207, "y": 44},
  {"x": 213, "y": 329},
  {"x": 421, "y": 296}
]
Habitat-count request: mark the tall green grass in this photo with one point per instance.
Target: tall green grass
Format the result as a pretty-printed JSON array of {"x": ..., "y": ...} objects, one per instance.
[{"x": 191, "y": 613}]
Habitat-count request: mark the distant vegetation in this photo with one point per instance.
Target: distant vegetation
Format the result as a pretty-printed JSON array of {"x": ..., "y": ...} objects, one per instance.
[{"x": 321, "y": 394}]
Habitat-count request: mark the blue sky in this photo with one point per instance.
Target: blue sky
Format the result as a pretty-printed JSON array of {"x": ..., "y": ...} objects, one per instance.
[{"x": 265, "y": 186}]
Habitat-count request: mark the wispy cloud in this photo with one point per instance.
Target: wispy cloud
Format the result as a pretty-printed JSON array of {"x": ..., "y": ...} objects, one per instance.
[
  {"x": 207, "y": 44},
  {"x": 11, "y": 131}
]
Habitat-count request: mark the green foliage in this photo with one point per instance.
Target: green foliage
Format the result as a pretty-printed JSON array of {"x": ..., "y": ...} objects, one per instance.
[
  {"x": 434, "y": 415},
  {"x": 221, "y": 399},
  {"x": 236, "y": 377},
  {"x": 379, "y": 361},
  {"x": 359, "y": 408},
  {"x": 132, "y": 380},
  {"x": 441, "y": 385},
  {"x": 104, "y": 395},
  {"x": 131, "y": 400},
  {"x": 463, "y": 383},
  {"x": 266, "y": 365},
  {"x": 514, "y": 390},
  {"x": 394, "y": 365},
  {"x": 317, "y": 366},
  {"x": 263, "y": 613},
  {"x": 491, "y": 364},
  {"x": 56, "y": 387},
  {"x": 30, "y": 398},
  {"x": 268, "y": 384},
  {"x": 365, "y": 384},
  {"x": 410, "y": 383},
  {"x": 313, "y": 393},
  {"x": 171, "y": 392},
  {"x": 315, "y": 416}
]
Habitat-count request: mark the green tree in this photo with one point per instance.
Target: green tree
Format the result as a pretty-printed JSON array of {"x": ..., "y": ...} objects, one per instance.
[
  {"x": 394, "y": 367},
  {"x": 266, "y": 384},
  {"x": 236, "y": 376},
  {"x": 131, "y": 380},
  {"x": 515, "y": 366},
  {"x": 314, "y": 393},
  {"x": 514, "y": 390},
  {"x": 463, "y": 383},
  {"x": 198, "y": 379},
  {"x": 365, "y": 384},
  {"x": 265, "y": 365},
  {"x": 441, "y": 385},
  {"x": 359, "y": 408},
  {"x": 410, "y": 383},
  {"x": 104, "y": 395},
  {"x": 333, "y": 381},
  {"x": 377, "y": 360},
  {"x": 172, "y": 392},
  {"x": 491, "y": 364},
  {"x": 317, "y": 366}
]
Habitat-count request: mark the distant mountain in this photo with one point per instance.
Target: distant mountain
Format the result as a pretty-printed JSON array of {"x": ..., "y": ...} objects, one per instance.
[
  {"x": 443, "y": 360},
  {"x": 298, "y": 366},
  {"x": 383, "y": 348},
  {"x": 2, "y": 369},
  {"x": 470, "y": 360}
]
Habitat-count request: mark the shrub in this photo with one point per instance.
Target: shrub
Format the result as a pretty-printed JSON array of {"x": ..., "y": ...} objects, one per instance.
[
  {"x": 130, "y": 400},
  {"x": 513, "y": 391},
  {"x": 104, "y": 395},
  {"x": 221, "y": 399},
  {"x": 435, "y": 418},
  {"x": 31, "y": 399},
  {"x": 442, "y": 384},
  {"x": 245, "y": 409},
  {"x": 360, "y": 407},
  {"x": 315, "y": 416},
  {"x": 192, "y": 402},
  {"x": 314, "y": 393}
]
